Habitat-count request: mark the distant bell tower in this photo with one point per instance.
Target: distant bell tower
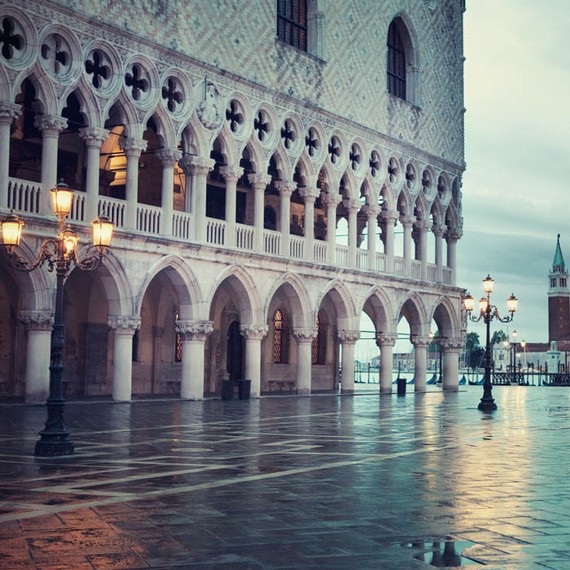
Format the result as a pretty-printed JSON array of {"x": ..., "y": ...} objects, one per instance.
[{"x": 558, "y": 298}]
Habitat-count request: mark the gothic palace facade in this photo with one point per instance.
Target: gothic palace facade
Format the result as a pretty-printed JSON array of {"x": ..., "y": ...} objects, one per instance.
[{"x": 274, "y": 169}]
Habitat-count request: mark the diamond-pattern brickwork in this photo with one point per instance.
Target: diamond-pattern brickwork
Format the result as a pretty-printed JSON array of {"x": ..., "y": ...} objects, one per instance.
[{"x": 239, "y": 37}]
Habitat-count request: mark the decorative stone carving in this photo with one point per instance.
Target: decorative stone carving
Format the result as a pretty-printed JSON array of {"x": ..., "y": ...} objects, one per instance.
[
  {"x": 168, "y": 156},
  {"x": 124, "y": 324},
  {"x": 209, "y": 110},
  {"x": 37, "y": 321},
  {"x": 93, "y": 136},
  {"x": 9, "y": 112},
  {"x": 253, "y": 332},
  {"x": 348, "y": 337},
  {"x": 385, "y": 339},
  {"x": 305, "y": 335},
  {"x": 194, "y": 330},
  {"x": 309, "y": 194},
  {"x": 132, "y": 146},
  {"x": 420, "y": 341},
  {"x": 231, "y": 172},
  {"x": 50, "y": 123}
]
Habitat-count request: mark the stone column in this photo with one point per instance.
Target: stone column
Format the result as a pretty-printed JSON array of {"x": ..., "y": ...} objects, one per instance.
[
  {"x": 451, "y": 237},
  {"x": 389, "y": 218},
  {"x": 258, "y": 182},
  {"x": 304, "y": 338},
  {"x": 168, "y": 157},
  {"x": 386, "y": 344},
  {"x": 310, "y": 195},
  {"x": 331, "y": 201},
  {"x": 372, "y": 211},
  {"x": 420, "y": 349},
  {"x": 407, "y": 223},
  {"x": 124, "y": 329},
  {"x": 352, "y": 206},
  {"x": 231, "y": 175},
  {"x": 439, "y": 231},
  {"x": 285, "y": 190},
  {"x": 94, "y": 138},
  {"x": 421, "y": 228},
  {"x": 348, "y": 340},
  {"x": 132, "y": 148},
  {"x": 39, "y": 326},
  {"x": 194, "y": 335},
  {"x": 51, "y": 126},
  {"x": 186, "y": 164},
  {"x": 8, "y": 113},
  {"x": 253, "y": 335},
  {"x": 450, "y": 363},
  {"x": 198, "y": 170}
]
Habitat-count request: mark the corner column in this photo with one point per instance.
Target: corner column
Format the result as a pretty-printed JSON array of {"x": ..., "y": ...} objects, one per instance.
[
  {"x": 8, "y": 113},
  {"x": 39, "y": 326},
  {"x": 133, "y": 149},
  {"x": 50, "y": 126},
  {"x": 304, "y": 338},
  {"x": 93, "y": 138},
  {"x": 231, "y": 175},
  {"x": 194, "y": 335},
  {"x": 348, "y": 340},
  {"x": 450, "y": 363},
  {"x": 259, "y": 182},
  {"x": 420, "y": 368},
  {"x": 386, "y": 344},
  {"x": 124, "y": 329},
  {"x": 253, "y": 335}
]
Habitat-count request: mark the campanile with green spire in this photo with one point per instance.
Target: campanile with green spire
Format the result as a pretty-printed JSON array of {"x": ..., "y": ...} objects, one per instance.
[{"x": 558, "y": 298}]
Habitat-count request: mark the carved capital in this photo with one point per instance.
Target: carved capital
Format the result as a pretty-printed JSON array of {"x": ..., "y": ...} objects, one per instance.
[
  {"x": 50, "y": 124},
  {"x": 9, "y": 112},
  {"x": 93, "y": 136},
  {"x": 305, "y": 335},
  {"x": 352, "y": 204},
  {"x": 196, "y": 165},
  {"x": 453, "y": 234},
  {"x": 231, "y": 173},
  {"x": 420, "y": 341},
  {"x": 371, "y": 210},
  {"x": 194, "y": 330},
  {"x": 132, "y": 146},
  {"x": 439, "y": 230},
  {"x": 36, "y": 320},
  {"x": 259, "y": 181},
  {"x": 383, "y": 339},
  {"x": 407, "y": 221},
  {"x": 168, "y": 156},
  {"x": 389, "y": 216},
  {"x": 309, "y": 194},
  {"x": 124, "y": 324},
  {"x": 348, "y": 337},
  {"x": 450, "y": 343},
  {"x": 285, "y": 187},
  {"x": 253, "y": 332},
  {"x": 331, "y": 200}
]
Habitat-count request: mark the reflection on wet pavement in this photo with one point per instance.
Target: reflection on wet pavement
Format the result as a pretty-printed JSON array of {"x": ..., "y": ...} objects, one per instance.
[{"x": 329, "y": 482}]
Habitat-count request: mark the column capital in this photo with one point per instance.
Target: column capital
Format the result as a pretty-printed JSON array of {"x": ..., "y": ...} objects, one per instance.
[
  {"x": 285, "y": 187},
  {"x": 389, "y": 216},
  {"x": 9, "y": 112},
  {"x": 348, "y": 337},
  {"x": 93, "y": 136},
  {"x": 305, "y": 334},
  {"x": 453, "y": 234},
  {"x": 253, "y": 332},
  {"x": 37, "y": 320},
  {"x": 232, "y": 172},
  {"x": 352, "y": 204},
  {"x": 168, "y": 156},
  {"x": 383, "y": 339},
  {"x": 192, "y": 165},
  {"x": 420, "y": 341},
  {"x": 310, "y": 194},
  {"x": 331, "y": 200},
  {"x": 194, "y": 330},
  {"x": 124, "y": 324},
  {"x": 439, "y": 230},
  {"x": 371, "y": 210},
  {"x": 132, "y": 146},
  {"x": 450, "y": 344},
  {"x": 421, "y": 225},
  {"x": 259, "y": 181},
  {"x": 50, "y": 124},
  {"x": 407, "y": 221}
]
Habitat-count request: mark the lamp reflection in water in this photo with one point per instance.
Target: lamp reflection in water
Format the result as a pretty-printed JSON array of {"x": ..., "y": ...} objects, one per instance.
[
  {"x": 488, "y": 312},
  {"x": 59, "y": 253}
]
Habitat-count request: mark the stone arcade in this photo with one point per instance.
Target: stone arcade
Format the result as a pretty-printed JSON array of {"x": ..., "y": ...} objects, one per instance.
[{"x": 272, "y": 173}]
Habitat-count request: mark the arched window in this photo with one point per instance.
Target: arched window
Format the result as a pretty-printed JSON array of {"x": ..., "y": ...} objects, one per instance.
[
  {"x": 320, "y": 341},
  {"x": 396, "y": 64},
  {"x": 281, "y": 337},
  {"x": 292, "y": 23}
]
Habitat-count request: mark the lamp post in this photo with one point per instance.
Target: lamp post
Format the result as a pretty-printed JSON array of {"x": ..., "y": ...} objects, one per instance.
[
  {"x": 513, "y": 355},
  {"x": 59, "y": 253},
  {"x": 488, "y": 312}
]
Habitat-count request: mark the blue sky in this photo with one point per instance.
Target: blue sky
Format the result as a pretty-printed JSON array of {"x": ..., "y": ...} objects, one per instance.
[{"x": 517, "y": 185}]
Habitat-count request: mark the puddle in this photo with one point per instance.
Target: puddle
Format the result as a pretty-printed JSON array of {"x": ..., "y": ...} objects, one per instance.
[{"x": 447, "y": 553}]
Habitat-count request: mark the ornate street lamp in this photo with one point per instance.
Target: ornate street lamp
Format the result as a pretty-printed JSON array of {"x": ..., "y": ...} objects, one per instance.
[
  {"x": 488, "y": 312},
  {"x": 59, "y": 253}
]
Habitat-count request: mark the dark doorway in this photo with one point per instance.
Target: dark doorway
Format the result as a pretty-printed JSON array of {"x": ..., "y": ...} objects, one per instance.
[{"x": 235, "y": 350}]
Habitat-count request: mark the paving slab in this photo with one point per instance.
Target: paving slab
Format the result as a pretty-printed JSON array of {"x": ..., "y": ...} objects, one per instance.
[{"x": 356, "y": 482}]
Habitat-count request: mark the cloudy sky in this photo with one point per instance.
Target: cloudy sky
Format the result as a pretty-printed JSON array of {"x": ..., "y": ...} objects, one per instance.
[{"x": 517, "y": 185}]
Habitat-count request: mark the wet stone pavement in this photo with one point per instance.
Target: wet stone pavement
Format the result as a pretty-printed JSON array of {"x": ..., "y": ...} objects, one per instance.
[{"x": 325, "y": 482}]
